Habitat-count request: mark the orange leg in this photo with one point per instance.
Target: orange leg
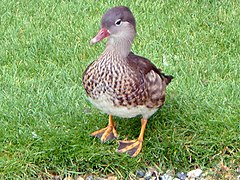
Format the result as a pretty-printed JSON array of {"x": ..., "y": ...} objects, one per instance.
[
  {"x": 106, "y": 133},
  {"x": 133, "y": 147}
]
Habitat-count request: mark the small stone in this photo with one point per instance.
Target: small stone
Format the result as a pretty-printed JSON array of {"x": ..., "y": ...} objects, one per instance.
[
  {"x": 181, "y": 175},
  {"x": 154, "y": 172},
  {"x": 89, "y": 178},
  {"x": 148, "y": 175},
  {"x": 166, "y": 177},
  {"x": 194, "y": 173},
  {"x": 238, "y": 170},
  {"x": 80, "y": 178},
  {"x": 140, "y": 173},
  {"x": 112, "y": 178}
]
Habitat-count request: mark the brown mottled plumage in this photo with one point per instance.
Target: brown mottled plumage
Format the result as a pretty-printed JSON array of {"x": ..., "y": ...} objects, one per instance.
[{"x": 121, "y": 83}]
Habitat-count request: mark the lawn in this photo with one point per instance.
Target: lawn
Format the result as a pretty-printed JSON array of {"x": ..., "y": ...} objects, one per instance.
[{"x": 45, "y": 117}]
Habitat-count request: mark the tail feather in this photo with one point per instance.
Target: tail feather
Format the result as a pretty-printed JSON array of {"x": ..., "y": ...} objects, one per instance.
[{"x": 167, "y": 78}]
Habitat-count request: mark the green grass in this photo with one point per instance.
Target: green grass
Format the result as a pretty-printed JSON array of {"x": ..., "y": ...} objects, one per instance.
[{"x": 45, "y": 120}]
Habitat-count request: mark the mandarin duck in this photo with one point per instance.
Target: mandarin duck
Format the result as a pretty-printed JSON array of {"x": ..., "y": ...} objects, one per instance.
[{"x": 121, "y": 83}]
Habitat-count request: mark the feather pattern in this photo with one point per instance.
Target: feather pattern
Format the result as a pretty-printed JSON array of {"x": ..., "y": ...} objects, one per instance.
[{"x": 125, "y": 82}]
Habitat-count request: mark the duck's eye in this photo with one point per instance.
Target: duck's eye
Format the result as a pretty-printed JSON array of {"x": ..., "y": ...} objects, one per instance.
[{"x": 118, "y": 22}]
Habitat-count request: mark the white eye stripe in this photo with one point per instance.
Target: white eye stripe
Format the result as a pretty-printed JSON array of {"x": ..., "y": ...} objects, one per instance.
[{"x": 118, "y": 22}]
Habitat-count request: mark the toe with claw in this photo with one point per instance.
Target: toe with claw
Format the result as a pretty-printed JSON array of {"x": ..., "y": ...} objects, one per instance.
[{"x": 107, "y": 133}]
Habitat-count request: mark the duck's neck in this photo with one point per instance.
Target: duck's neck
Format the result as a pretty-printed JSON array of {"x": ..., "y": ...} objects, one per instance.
[{"x": 120, "y": 46}]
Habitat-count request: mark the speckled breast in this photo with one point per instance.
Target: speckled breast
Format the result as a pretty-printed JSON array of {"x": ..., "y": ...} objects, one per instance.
[{"x": 116, "y": 81}]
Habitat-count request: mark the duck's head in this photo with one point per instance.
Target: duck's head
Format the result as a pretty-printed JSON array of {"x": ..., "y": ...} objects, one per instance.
[{"x": 119, "y": 25}]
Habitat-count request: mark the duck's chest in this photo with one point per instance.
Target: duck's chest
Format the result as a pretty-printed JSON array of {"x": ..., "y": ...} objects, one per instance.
[
  {"x": 108, "y": 77},
  {"x": 115, "y": 88}
]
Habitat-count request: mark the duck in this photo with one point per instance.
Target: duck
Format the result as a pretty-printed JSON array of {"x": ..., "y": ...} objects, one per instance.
[{"x": 121, "y": 83}]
